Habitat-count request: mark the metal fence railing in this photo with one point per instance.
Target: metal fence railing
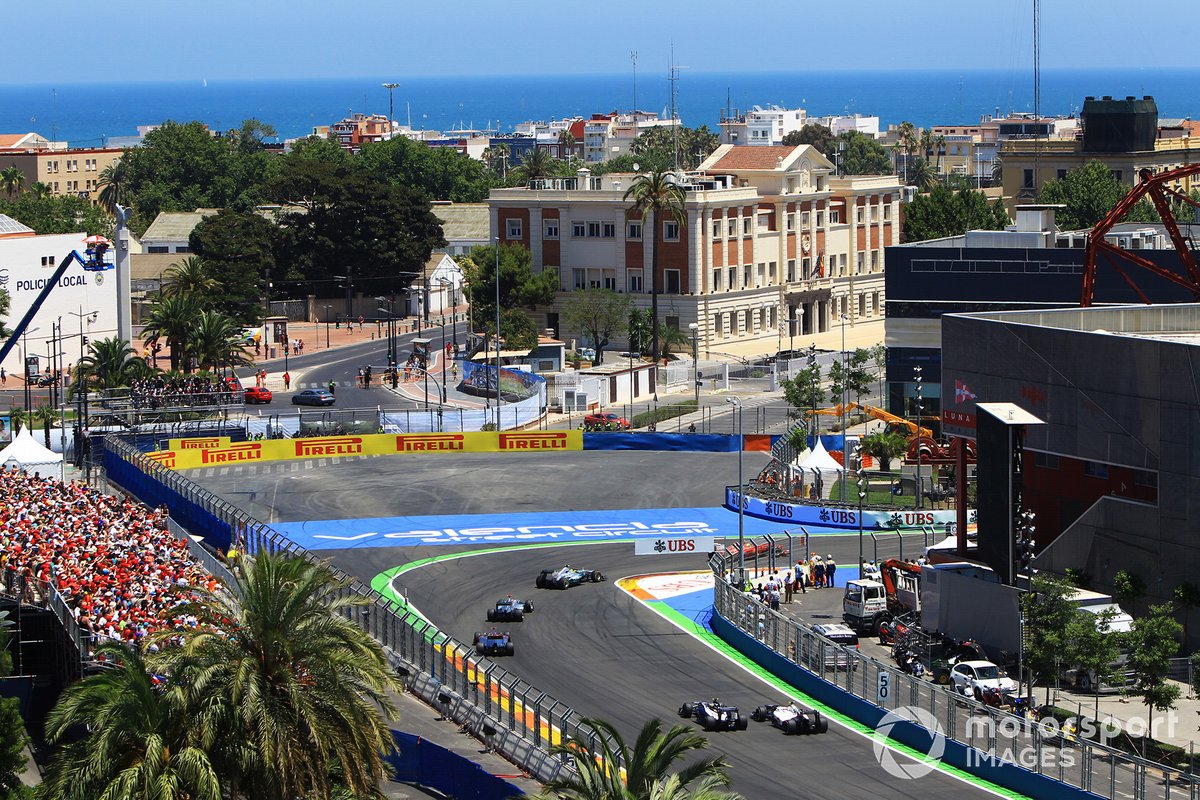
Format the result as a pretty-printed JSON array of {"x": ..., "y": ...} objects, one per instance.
[
  {"x": 997, "y": 735},
  {"x": 43, "y": 594},
  {"x": 506, "y": 712}
]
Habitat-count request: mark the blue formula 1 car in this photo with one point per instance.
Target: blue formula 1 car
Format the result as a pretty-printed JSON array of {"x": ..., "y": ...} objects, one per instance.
[
  {"x": 713, "y": 715},
  {"x": 509, "y": 610},
  {"x": 566, "y": 577},
  {"x": 493, "y": 643}
]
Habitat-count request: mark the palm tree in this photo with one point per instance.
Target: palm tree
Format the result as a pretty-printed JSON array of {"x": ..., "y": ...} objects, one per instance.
[
  {"x": 216, "y": 342},
  {"x": 12, "y": 179},
  {"x": 674, "y": 340},
  {"x": 40, "y": 190},
  {"x": 566, "y": 143},
  {"x": 291, "y": 689},
  {"x": 172, "y": 319},
  {"x": 922, "y": 175},
  {"x": 607, "y": 769},
  {"x": 138, "y": 744},
  {"x": 17, "y": 418},
  {"x": 708, "y": 787},
  {"x": 111, "y": 361},
  {"x": 927, "y": 144},
  {"x": 189, "y": 277},
  {"x": 939, "y": 144},
  {"x": 906, "y": 140},
  {"x": 657, "y": 198},
  {"x": 45, "y": 415},
  {"x": 538, "y": 163},
  {"x": 115, "y": 180}
]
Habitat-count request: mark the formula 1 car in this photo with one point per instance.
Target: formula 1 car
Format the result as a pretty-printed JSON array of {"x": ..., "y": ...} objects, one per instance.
[
  {"x": 791, "y": 718},
  {"x": 713, "y": 715},
  {"x": 509, "y": 610},
  {"x": 567, "y": 577},
  {"x": 493, "y": 643}
]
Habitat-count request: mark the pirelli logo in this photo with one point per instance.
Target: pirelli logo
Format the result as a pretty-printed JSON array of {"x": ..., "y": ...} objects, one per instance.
[
  {"x": 431, "y": 443},
  {"x": 247, "y": 451},
  {"x": 539, "y": 440},
  {"x": 202, "y": 443},
  {"x": 164, "y": 457},
  {"x": 331, "y": 446}
]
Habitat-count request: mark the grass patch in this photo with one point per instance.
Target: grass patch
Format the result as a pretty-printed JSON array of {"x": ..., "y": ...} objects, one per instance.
[
  {"x": 877, "y": 494},
  {"x": 661, "y": 413}
]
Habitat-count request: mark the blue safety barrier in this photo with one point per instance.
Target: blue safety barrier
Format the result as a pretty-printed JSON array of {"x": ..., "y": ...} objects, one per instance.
[
  {"x": 421, "y": 762},
  {"x": 679, "y": 442}
]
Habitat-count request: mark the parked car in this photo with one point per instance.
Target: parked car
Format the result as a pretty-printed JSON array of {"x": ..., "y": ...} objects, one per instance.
[
  {"x": 973, "y": 678},
  {"x": 258, "y": 394},
  {"x": 313, "y": 397},
  {"x": 838, "y": 657},
  {"x": 606, "y": 421}
]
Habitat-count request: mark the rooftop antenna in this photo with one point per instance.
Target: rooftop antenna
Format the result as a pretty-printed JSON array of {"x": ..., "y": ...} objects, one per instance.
[
  {"x": 673, "y": 80},
  {"x": 633, "y": 58}
]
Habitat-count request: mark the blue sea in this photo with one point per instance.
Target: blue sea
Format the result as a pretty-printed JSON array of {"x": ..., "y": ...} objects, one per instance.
[{"x": 87, "y": 114}]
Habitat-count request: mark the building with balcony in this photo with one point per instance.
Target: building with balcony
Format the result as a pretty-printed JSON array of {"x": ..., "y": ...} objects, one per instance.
[
  {"x": 610, "y": 135},
  {"x": 1121, "y": 133},
  {"x": 761, "y": 126},
  {"x": 773, "y": 246},
  {"x": 359, "y": 129},
  {"x": 66, "y": 172}
]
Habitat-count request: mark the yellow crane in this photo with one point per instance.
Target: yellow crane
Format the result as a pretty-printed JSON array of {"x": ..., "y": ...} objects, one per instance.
[{"x": 875, "y": 412}]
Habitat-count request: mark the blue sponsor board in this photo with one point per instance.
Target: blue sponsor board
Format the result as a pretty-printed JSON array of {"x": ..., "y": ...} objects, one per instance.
[{"x": 542, "y": 526}]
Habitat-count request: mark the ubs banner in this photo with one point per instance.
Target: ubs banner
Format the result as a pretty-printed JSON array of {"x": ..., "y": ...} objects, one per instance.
[{"x": 219, "y": 451}]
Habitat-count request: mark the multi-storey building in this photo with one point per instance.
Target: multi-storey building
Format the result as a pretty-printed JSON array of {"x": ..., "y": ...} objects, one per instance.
[
  {"x": 761, "y": 126},
  {"x": 359, "y": 129},
  {"x": 66, "y": 172},
  {"x": 772, "y": 246},
  {"x": 606, "y": 136}
]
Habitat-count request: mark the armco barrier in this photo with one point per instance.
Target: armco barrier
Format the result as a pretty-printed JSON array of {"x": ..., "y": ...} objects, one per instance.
[
  {"x": 513, "y": 716},
  {"x": 421, "y": 762},
  {"x": 982, "y": 740}
]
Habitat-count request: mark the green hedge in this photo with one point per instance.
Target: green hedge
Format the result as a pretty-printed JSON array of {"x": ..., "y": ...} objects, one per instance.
[{"x": 657, "y": 415}]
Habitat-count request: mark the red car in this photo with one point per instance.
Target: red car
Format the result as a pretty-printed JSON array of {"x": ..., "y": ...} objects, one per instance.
[
  {"x": 606, "y": 421},
  {"x": 258, "y": 394}
]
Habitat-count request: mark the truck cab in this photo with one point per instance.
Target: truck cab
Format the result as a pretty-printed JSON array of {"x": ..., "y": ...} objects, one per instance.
[{"x": 865, "y": 605}]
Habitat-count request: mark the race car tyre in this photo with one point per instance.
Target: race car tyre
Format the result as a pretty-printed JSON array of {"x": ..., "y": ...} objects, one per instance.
[
  {"x": 509, "y": 649},
  {"x": 685, "y": 710},
  {"x": 528, "y": 608},
  {"x": 491, "y": 615},
  {"x": 742, "y": 723},
  {"x": 540, "y": 583},
  {"x": 479, "y": 649},
  {"x": 822, "y": 725},
  {"x": 707, "y": 723},
  {"x": 791, "y": 727},
  {"x": 600, "y": 576},
  {"x": 760, "y": 714},
  {"x": 518, "y": 616}
]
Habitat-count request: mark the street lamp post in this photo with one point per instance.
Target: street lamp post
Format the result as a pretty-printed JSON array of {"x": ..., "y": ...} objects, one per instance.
[
  {"x": 920, "y": 410},
  {"x": 736, "y": 401},
  {"x": 695, "y": 329},
  {"x": 842, "y": 403},
  {"x": 858, "y": 460},
  {"x": 25, "y": 356},
  {"x": 327, "y": 307},
  {"x": 391, "y": 87},
  {"x": 83, "y": 388},
  {"x": 499, "y": 396}
]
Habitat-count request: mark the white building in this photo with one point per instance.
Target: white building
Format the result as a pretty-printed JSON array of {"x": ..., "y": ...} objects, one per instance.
[
  {"x": 83, "y": 301},
  {"x": 845, "y": 123},
  {"x": 607, "y": 136},
  {"x": 762, "y": 126}
]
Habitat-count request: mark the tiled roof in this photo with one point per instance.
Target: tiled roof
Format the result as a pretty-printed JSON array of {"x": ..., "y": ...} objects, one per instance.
[
  {"x": 175, "y": 226},
  {"x": 10, "y": 139},
  {"x": 753, "y": 157}
]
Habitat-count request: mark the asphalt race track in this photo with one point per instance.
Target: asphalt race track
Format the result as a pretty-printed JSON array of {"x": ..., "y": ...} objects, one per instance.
[{"x": 593, "y": 646}]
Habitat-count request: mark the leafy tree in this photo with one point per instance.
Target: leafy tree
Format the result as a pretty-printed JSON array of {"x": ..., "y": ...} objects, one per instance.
[
  {"x": 138, "y": 743},
  {"x": 1094, "y": 648},
  {"x": 599, "y": 314},
  {"x": 879, "y": 361},
  {"x": 249, "y": 137},
  {"x": 818, "y": 136},
  {"x": 639, "y": 330},
  {"x": 598, "y": 747},
  {"x": 1152, "y": 644},
  {"x": 862, "y": 155},
  {"x": 521, "y": 290},
  {"x": 172, "y": 319},
  {"x": 656, "y": 197},
  {"x": 1128, "y": 588},
  {"x": 5, "y": 300},
  {"x": 238, "y": 252},
  {"x": 40, "y": 190},
  {"x": 12, "y": 179},
  {"x": 318, "y": 148},
  {"x": 382, "y": 232},
  {"x": 115, "y": 182},
  {"x": 439, "y": 173},
  {"x": 111, "y": 362},
  {"x": 884, "y": 445},
  {"x": 837, "y": 382},
  {"x": 858, "y": 375},
  {"x": 942, "y": 212},
  {"x": 286, "y": 688},
  {"x": 1187, "y": 597},
  {"x": 496, "y": 158},
  {"x": 58, "y": 214},
  {"x": 803, "y": 392},
  {"x": 45, "y": 415},
  {"x": 654, "y": 149},
  {"x": 1048, "y": 613},
  {"x": 1089, "y": 193}
]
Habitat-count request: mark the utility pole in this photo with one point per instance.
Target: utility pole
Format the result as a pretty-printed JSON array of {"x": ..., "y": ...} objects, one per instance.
[
  {"x": 390, "y": 87},
  {"x": 633, "y": 57}
]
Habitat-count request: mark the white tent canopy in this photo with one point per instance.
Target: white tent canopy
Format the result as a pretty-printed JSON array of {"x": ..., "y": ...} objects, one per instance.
[
  {"x": 32, "y": 457},
  {"x": 819, "y": 470}
]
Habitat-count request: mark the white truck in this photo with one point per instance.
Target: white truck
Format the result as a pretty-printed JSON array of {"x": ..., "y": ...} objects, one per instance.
[{"x": 867, "y": 603}]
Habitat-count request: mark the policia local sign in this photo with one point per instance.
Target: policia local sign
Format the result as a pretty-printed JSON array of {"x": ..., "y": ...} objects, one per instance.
[{"x": 220, "y": 451}]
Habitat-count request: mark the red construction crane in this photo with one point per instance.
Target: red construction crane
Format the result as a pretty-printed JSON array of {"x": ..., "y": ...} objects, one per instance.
[{"x": 1157, "y": 188}]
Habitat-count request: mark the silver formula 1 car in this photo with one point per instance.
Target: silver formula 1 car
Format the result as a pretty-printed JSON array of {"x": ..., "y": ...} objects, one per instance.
[
  {"x": 791, "y": 718},
  {"x": 713, "y": 715},
  {"x": 566, "y": 577}
]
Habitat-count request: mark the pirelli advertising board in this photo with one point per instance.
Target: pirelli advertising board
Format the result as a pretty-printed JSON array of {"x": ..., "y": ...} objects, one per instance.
[{"x": 219, "y": 451}]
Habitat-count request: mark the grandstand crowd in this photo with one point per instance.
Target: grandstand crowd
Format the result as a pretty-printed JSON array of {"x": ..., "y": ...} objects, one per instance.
[
  {"x": 169, "y": 391},
  {"x": 112, "y": 559}
]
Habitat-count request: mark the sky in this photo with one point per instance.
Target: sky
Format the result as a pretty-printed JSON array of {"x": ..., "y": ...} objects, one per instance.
[{"x": 272, "y": 39}]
